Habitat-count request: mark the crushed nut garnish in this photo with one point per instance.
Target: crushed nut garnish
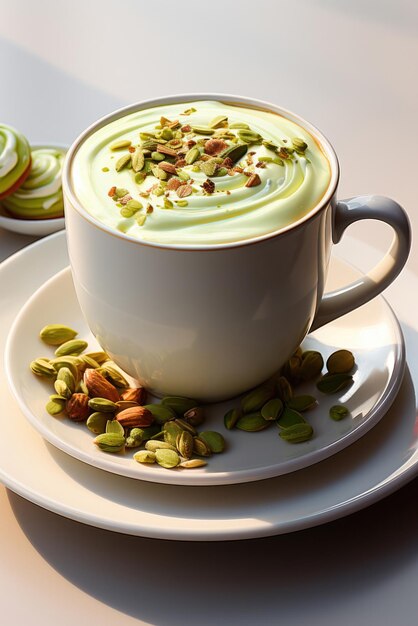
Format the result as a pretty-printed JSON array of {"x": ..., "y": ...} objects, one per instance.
[
  {"x": 215, "y": 146},
  {"x": 172, "y": 151},
  {"x": 173, "y": 184},
  {"x": 253, "y": 181},
  {"x": 184, "y": 190},
  {"x": 208, "y": 186}
]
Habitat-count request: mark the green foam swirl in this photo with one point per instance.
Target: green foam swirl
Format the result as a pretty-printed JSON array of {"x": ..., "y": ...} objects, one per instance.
[{"x": 40, "y": 196}]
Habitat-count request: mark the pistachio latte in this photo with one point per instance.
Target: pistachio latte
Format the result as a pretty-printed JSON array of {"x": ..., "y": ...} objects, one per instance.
[{"x": 200, "y": 173}]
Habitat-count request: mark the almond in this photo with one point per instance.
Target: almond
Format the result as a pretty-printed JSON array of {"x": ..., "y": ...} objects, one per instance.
[
  {"x": 99, "y": 387},
  {"x": 77, "y": 407},
  {"x": 253, "y": 181},
  {"x": 134, "y": 394},
  {"x": 136, "y": 416},
  {"x": 184, "y": 191},
  {"x": 173, "y": 184},
  {"x": 166, "y": 150},
  {"x": 167, "y": 167},
  {"x": 215, "y": 146}
]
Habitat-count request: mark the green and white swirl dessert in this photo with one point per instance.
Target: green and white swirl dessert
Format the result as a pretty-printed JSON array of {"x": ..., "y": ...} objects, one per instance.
[
  {"x": 200, "y": 173},
  {"x": 40, "y": 195},
  {"x": 15, "y": 159}
]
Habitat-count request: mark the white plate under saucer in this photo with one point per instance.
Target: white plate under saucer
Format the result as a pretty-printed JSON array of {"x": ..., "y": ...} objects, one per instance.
[
  {"x": 371, "y": 468},
  {"x": 371, "y": 333}
]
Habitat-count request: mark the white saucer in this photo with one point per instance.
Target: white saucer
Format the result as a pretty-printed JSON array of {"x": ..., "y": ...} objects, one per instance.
[
  {"x": 372, "y": 333},
  {"x": 37, "y": 228},
  {"x": 371, "y": 468}
]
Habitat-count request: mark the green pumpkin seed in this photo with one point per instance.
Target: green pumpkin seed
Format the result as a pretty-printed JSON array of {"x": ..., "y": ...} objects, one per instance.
[
  {"x": 284, "y": 389},
  {"x": 67, "y": 376},
  {"x": 74, "y": 347},
  {"x": 110, "y": 442},
  {"x": 122, "y": 162},
  {"x": 231, "y": 418},
  {"x": 113, "y": 375},
  {"x": 298, "y": 433},
  {"x": 157, "y": 156},
  {"x": 70, "y": 362},
  {"x": 184, "y": 444},
  {"x": 184, "y": 425},
  {"x": 138, "y": 160},
  {"x": 62, "y": 389},
  {"x": 214, "y": 440},
  {"x": 302, "y": 403},
  {"x": 179, "y": 404},
  {"x": 87, "y": 361},
  {"x": 194, "y": 416},
  {"x": 161, "y": 413},
  {"x": 42, "y": 367},
  {"x": 140, "y": 177},
  {"x": 55, "y": 405},
  {"x": 338, "y": 412},
  {"x": 192, "y": 155},
  {"x": 272, "y": 409},
  {"x": 299, "y": 145},
  {"x": 120, "y": 192},
  {"x": 134, "y": 205},
  {"x": 103, "y": 405},
  {"x": 250, "y": 137},
  {"x": 332, "y": 383},
  {"x": 193, "y": 463},
  {"x": 184, "y": 176},
  {"x": 114, "y": 427},
  {"x": 291, "y": 369},
  {"x": 120, "y": 145},
  {"x": 289, "y": 418},
  {"x": 235, "y": 153},
  {"x": 154, "y": 445},
  {"x": 96, "y": 422},
  {"x": 200, "y": 447},
  {"x": 145, "y": 456},
  {"x": 167, "y": 458},
  {"x": 203, "y": 130},
  {"x": 257, "y": 398},
  {"x": 218, "y": 121},
  {"x": 55, "y": 334},
  {"x": 311, "y": 366},
  {"x": 252, "y": 422},
  {"x": 158, "y": 172},
  {"x": 240, "y": 125},
  {"x": 171, "y": 432},
  {"x": 270, "y": 145},
  {"x": 340, "y": 362},
  {"x": 166, "y": 134},
  {"x": 208, "y": 167}
]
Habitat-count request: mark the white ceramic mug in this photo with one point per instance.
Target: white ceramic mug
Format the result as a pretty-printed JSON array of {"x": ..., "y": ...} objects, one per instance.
[{"x": 210, "y": 322}]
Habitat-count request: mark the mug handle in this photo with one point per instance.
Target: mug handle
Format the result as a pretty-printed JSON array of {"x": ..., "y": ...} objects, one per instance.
[{"x": 346, "y": 212}]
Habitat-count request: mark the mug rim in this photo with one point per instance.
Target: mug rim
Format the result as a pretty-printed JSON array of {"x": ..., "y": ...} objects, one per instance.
[{"x": 324, "y": 144}]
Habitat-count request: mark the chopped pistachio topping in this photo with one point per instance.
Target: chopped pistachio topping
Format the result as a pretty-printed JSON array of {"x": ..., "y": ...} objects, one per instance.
[{"x": 223, "y": 151}]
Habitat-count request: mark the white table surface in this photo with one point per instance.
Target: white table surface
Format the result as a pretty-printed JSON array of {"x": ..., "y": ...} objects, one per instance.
[{"x": 349, "y": 66}]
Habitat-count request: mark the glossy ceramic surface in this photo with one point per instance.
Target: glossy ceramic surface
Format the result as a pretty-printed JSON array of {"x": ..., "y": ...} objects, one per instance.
[
  {"x": 371, "y": 333},
  {"x": 366, "y": 471}
]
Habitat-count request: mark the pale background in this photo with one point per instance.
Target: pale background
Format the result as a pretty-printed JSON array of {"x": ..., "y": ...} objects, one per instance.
[{"x": 349, "y": 67}]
